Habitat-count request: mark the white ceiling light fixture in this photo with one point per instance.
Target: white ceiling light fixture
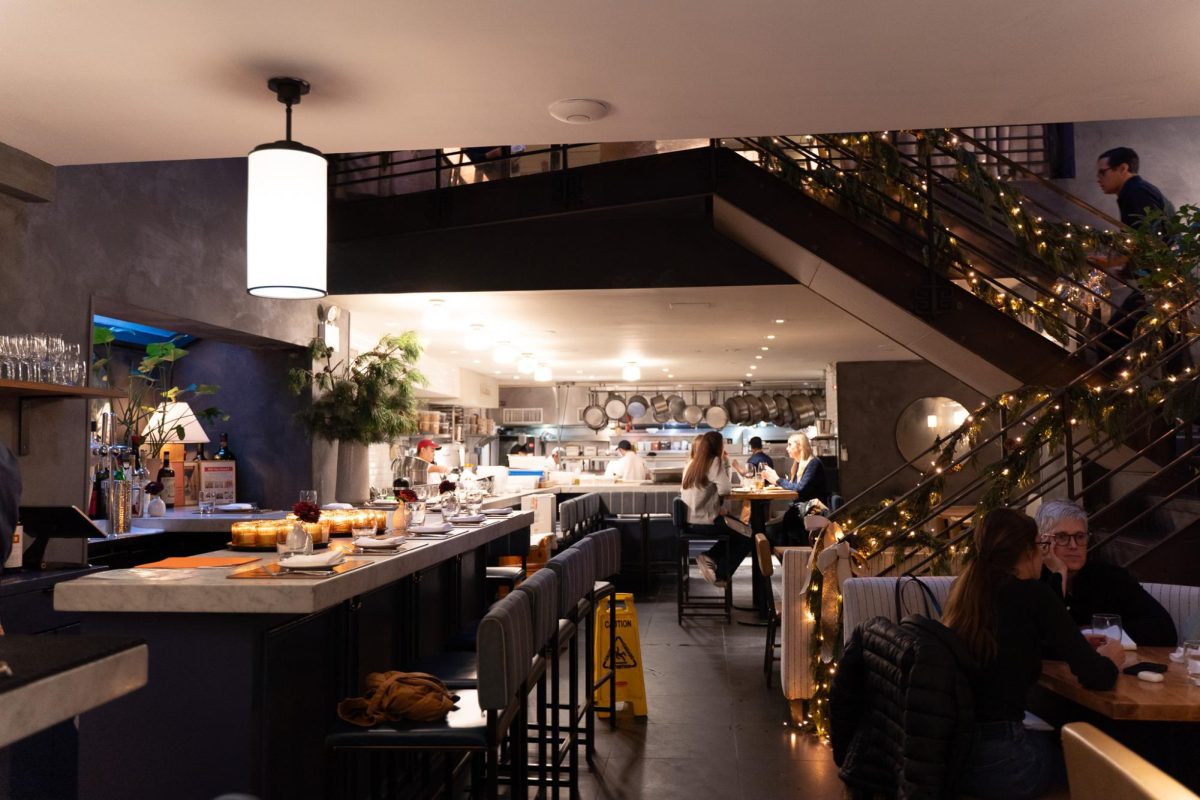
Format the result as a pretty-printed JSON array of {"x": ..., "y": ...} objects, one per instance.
[
  {"x": 286, "y": 194},
  {"x": 579, "y": 111},
  {"x": 477, "y": 338},
  {"x": 543, "y": 373},
  {"x": 631, "y": 372},
  {"x": 525, "y": 364},
  {"x": 437, "y": 315},
  {"x": 504, "y": 353}
]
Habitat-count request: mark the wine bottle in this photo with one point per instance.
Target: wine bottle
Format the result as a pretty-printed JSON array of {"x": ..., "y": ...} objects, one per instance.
[
  {"x": 224, "y": 454},
  {"x": 166, "y": 476},
  {"x": 98, "y": 507}
]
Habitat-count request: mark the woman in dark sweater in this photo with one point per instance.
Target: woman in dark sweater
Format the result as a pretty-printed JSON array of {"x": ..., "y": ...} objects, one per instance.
[{"x": 1005, "y": 617}]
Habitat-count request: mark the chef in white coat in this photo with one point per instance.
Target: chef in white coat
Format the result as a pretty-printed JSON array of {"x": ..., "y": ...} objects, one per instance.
[{"x": 629, "y": 467}]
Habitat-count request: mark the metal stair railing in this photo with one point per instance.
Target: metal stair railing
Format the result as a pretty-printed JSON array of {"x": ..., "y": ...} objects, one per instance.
[{"x": 824, "y": 155}]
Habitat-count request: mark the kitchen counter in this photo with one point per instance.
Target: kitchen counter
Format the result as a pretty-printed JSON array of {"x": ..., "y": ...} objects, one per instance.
[
  {"x": 209, "y": 591},
  {"x": 188, "y": 519},
  {"x": 253, "y": 668},
  {"x": 57, "y": 677}
]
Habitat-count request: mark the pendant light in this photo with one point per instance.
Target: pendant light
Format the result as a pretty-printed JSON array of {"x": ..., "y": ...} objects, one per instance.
[{"x": 287, "y": 191}]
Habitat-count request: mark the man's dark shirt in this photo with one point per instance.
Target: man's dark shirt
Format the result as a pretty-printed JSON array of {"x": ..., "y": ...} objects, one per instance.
[
  {"x": 759, "y": 458},
  {"x": 1101, "y": 588},
  {"x": 10, "y": 500},
  {"x": 1136, "y": 196}
]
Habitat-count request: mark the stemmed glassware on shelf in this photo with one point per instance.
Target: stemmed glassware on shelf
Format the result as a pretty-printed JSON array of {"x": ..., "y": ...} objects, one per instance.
[{"x": 41, "y": 358}]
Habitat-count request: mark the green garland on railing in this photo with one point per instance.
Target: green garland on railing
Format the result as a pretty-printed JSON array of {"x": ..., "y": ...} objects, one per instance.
[{"x": 1106, "y": 407}]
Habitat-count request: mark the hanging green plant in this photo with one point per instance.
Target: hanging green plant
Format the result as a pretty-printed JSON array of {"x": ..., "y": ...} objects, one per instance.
[{"x": 369, "y": 398}]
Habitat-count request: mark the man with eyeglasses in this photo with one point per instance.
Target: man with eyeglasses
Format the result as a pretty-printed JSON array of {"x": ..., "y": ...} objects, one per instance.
[{"x": 1095, "y": 587}]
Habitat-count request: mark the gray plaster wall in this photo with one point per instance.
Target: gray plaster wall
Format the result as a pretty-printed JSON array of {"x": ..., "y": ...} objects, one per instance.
[
  {"x": 160, "y": 236},
  {"x": 871, "y": 395}
]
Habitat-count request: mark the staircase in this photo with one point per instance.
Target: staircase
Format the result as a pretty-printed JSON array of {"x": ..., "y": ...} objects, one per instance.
[{"x": 911, "y": 234}]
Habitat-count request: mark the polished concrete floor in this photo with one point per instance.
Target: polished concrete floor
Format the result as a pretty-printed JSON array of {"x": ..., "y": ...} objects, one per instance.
[{"x": 714, "y": 729}]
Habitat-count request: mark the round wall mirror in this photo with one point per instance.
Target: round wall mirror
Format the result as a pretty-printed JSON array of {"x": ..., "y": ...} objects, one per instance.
[{"x": 926, "y": 420}]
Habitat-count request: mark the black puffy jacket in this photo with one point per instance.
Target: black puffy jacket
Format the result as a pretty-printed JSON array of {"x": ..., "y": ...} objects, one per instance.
[{"x": 902, "y": 709}]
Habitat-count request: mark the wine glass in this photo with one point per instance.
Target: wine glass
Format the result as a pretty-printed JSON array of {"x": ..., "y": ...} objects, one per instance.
[
  {"x": 308, "y": 496},
  {"x": 1107, "y": 625}
]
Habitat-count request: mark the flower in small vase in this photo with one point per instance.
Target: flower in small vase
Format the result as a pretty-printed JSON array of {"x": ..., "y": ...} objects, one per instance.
[
  {"x": 307, "y": 512},
  {"x": 154, "y": 487},
  {"x": 407, "y": 496}
]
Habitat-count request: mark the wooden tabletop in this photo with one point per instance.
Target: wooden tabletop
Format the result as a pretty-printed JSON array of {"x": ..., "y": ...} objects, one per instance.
[
  {"x": 762, "y": 494},
  {"x": 1176, "y": 699}
]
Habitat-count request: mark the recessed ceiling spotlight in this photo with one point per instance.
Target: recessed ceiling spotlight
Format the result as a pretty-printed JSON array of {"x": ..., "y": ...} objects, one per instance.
[
  {"x": 770, "y": 336},
  {"x": 578, "y": 111},
  {"x": 758, "y": 356},
  {"x": 591, "y": 377},
  {"x": 666, "y": 370},
  {"x": 543, "y": 373},
  {"x": 764, "y": 347},
  {"x": 753, "y": 366},
  {"x": 780, "y": 321},
  {"x": 525, "y": 364},
  {"x": 631, "y": 372},
  {"x": 670, "y": 376},
  {"x": 516, "y": 377},
  {"x": 496, "y": 372},
  {"x": 749, "y": 374}
]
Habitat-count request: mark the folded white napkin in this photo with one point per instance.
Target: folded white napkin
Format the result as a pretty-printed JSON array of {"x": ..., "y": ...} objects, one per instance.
[
  {"x": 235, "y": 507},
  {"x": 1126, "y": 642},
  {"x": 336, "y": 506},
  {"x": 329, "y": 558},
  {"x": 366, "y": 542},
  {"x": 445, "y": 527},
  {"x": 468, "y": 518}
]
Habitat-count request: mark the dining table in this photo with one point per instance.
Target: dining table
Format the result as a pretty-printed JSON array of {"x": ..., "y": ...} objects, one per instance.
[
  {"x": 760, "y": 511},
  {"x": 1155, "y": 720}
]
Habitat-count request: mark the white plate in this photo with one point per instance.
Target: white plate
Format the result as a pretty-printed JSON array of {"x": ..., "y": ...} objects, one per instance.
[
  {"x": 288, "y": 564},
  {"x": 445, "y": 527}
]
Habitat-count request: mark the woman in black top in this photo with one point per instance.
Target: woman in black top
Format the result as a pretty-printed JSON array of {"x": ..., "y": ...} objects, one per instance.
[{"x": 1005, "y": 617}]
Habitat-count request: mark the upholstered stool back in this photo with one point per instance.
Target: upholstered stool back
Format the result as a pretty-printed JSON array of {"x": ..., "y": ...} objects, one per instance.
[
  {"x": 542, "y": 589},
  {"x": 505, "y": 646},
  {"x": 606, "y": 545}
]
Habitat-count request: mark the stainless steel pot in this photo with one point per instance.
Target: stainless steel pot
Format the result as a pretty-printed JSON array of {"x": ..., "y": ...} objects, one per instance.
[
  {"x": 677, "y": 405},
  {"x": 804, "y": 413},
  {"x": 615, "y": 406},
  {"x": 662, "y": 409},
  {"x": 637, "y": 406},
  {"x": 739, "y": 410},
  {"x": 692, "y": 414},
  {"x": 594, "y": 416},
  {"x": 715, "y": 416},
  {"x": 785, "y": 410},
  {"x": 771, "y": 411},
  {"x": 758, "y": 412}
]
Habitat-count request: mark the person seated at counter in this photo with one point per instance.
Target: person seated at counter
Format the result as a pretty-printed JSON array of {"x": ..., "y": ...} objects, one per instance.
[
  {"x": 629, "y": 466},
  {"x": 1090, "y": 586},
  {"x": 425, "y": 450},
  {"x": 757, "y": 460},
  {"x": 705, "y": 489},
  {"x": 1004, "y": 616},
  {"x": 807, "y": 480}
]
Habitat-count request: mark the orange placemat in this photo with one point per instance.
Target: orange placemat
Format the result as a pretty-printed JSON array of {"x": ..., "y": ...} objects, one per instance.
[{"x": 194, "y": 562}]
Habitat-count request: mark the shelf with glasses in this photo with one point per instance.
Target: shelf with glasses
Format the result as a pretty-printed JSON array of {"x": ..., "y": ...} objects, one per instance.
[
  {"x": 13, "y": 388},
  {"x": 26, "y": 391}
]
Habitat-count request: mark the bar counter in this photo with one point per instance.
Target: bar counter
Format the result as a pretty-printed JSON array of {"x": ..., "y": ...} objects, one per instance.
[{"x": 245, "y": 675}]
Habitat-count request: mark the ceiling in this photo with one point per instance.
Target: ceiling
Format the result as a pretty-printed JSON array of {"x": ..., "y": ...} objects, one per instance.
[
  {"x": 706, "y": 334},
  {"x": 130, "y": 80}
]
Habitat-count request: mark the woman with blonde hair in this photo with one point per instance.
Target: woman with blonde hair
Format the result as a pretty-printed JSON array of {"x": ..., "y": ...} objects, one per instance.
[
  {"x": 807, "y": 479},
  {"x": 1006, "y": 616},
  {"x": 705, "y": 487}
]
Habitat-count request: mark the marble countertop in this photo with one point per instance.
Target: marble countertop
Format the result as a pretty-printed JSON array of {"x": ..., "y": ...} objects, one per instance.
[
  {"x": 73, "y": 674},
  {"x": 209, "y": 591}
]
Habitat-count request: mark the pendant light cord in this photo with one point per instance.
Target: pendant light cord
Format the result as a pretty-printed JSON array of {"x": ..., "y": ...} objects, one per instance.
[{"x": 289, "y": 120}]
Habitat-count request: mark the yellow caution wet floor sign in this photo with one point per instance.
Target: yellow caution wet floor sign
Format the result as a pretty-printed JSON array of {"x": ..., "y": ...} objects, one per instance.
[{"x": 625, "y": 655}]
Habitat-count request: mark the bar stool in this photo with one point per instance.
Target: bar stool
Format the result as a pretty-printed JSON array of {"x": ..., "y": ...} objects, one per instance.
[
  {"x": 543, "y": 593},
  {"x": 762, "y": 552},
  {"x": 606, "y": 547},
  {"x": 484, "y": 717},
  {"x": 685, "y": 534},
  {"x": 575, "y": 578}
]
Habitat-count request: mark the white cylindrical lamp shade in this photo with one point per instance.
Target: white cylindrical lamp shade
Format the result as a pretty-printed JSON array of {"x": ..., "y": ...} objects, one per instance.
[{"x": 286, "y": 238}]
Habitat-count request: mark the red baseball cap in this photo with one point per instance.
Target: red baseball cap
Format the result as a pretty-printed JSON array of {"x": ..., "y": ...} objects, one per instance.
[{"x": 421, "y": 445}]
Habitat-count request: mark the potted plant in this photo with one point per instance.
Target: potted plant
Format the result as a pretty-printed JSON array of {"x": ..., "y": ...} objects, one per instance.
[
  {"x": 152, "y": 384},
  {"x": 360, "y": 401}
]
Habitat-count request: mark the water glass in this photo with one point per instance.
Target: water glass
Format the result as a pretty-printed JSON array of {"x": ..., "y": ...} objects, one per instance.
[
  {"x": 208, "y": 501},
  {"x": 308, "y": 496},
  {"x": 449, "y": 505},
  {"x": 416, "y": 513},
  {"x": 1107, "y": 625},
  {"x": 1191, "y": 654}
]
